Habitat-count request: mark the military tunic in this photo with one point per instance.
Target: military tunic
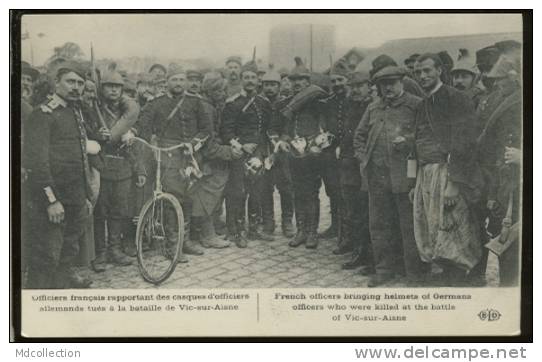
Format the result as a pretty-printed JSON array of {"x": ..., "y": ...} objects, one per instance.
[
  {"x": 56, "y": 158},
  {"x": 306, "y": 172},
  {"x": 173, "y": 120},
  {"x": 247, "y": 119}
]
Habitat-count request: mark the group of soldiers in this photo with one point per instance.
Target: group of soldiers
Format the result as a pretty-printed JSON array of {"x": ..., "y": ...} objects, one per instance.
[{"x": 420, "y": 162}]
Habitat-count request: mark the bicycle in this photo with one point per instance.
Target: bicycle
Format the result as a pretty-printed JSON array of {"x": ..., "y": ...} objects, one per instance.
[{"x": 157, "y": 255}]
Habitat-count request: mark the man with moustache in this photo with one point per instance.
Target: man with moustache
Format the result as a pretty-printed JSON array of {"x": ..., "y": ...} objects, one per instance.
[
  {"x": 28, "y": 76},
  {"x": 246, "y": 120},
  {"x": 298, "y": 118},
  {"x": 449, "y": 180},
  {"x": 333, "y": 116},
  {"x": 382, "y": 142},
  {"x": 144, "y": 90},
  {"x": 280, "y": 174},
  {"x": 208, "y": 193},
  {"x": 465, "y": 77},
  {"x": 55, "y": 153},
  {"x": 177, "y": 117},
  {"x": 112, "y": 209},
  {"x": 355, "y": 227},
  {"x": 233, "y": 76}
]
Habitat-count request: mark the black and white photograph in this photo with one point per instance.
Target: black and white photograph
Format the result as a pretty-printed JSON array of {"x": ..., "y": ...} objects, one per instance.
[{"x": 238, "y": 151}]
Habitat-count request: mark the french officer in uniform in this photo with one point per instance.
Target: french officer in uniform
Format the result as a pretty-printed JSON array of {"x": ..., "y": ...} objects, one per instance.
[
  {"x": 56, "y": 156},
  {"x": 246, "y": 120},
  {"x": 178, "y": 116}
]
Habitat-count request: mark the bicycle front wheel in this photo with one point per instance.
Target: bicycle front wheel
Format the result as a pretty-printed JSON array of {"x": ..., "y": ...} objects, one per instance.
[{"x": 159, "y": 237}]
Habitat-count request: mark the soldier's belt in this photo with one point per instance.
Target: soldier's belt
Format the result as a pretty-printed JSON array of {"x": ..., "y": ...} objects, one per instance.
[{"x": 115, "y": 157}]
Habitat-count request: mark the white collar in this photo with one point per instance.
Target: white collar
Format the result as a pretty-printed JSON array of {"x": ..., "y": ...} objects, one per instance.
[
  {"x": 58, "y": 99},
  {"x": 435, "y": 90}
]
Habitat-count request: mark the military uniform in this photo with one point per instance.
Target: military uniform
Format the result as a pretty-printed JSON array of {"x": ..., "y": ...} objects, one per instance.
[
  {"x": 503, "y": 129},
  {"x": 280, "y": 176},
  {"x": 56, "y": 157},
  {"x": 173, "y": 120},
  {"x": 246, "y": 119},
  {"x": 335, "y": 111},
  {"x": 113, "y": 206},
  {"x": 306, "y": 171}
]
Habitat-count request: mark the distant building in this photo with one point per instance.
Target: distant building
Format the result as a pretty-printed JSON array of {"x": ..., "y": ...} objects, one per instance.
[{"x": 288, "y": 41}]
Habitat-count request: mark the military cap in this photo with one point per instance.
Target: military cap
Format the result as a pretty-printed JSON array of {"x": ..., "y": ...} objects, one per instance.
[
  {"x": 358, "y": 78},
  {"x": 27, "y": 69},
  {"x": 339, "y": 68},
  {"x": 159, "y": 66},
  {"x": 507, "y": 45},
  {"x": 283, "y": 72},
  {"x": 212, "y": 81},
  {"x": 271, "y": 75},
  {"x": 380, "y": 62},
  {"x": 503, "y": 68},
  {"x": 389, "y": 72},
  {"x": 192, "y": 73},
  {"x": 486, "y": 58},
  {"x": 112, "y": 78},
  {"x": 300, "y": 70},
  {"x": 175, "y": 69},
  {"x": 235, "y": 59},
  {"x": 72, "y": 66},
  {"x": 249, "y": 67},
  {"x": 465, "y": 63}
]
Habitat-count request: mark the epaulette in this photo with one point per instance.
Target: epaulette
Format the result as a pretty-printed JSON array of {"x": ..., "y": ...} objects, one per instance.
[
  {"x": 195, "y": 95},
  {"x": 233, "y": 97},
  {"x": 263, "y": 98},
  {"x": 50, "y": 106},
  {"x": 327, "y": 99}
]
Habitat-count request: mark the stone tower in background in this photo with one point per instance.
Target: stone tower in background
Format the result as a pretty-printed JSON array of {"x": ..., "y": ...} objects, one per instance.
[{"x": 288, "y": 41}]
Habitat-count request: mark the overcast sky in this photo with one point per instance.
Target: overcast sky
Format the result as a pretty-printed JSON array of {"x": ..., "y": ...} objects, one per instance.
[{"x": 220, "y": 35}]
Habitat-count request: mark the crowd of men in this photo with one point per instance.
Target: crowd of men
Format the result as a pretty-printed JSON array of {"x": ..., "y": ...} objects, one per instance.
[{"x": 421, "y": 162}]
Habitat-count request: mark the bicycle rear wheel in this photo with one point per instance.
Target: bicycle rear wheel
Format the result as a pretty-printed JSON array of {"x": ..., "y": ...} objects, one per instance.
[{"x": 159, "y": 237}]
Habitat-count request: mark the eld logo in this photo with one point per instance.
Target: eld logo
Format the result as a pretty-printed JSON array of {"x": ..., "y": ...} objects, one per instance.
[{"x": 490, "y": 315}]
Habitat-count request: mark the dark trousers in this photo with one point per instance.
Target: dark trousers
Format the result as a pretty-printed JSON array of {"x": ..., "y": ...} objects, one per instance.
[
  {"x": 172, "y": 183},
  {"x": 332, "y": 183},
  {"x": 280, "y": 177},
  {"x": 392, "y": 227},
  {"x": 355, "y": 226},
  {"x": 306, "y": 180},
  {"x": 238, "y": 189},
  {"x": 113, "y": 210},
  {"x": 54, "y": 247}
]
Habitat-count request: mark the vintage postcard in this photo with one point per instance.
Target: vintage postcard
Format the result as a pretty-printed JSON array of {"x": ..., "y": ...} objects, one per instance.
[{"x": 269, "y": 174}]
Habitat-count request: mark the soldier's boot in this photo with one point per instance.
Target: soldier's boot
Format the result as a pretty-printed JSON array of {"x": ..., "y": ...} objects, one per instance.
[
  {"x": 254, "y": 233},
  {"x": 345, "y": 244},
  {"x": 312, "y": 235},
  {"x": 209, "y": 238},
  {"x": 65, "y": 277},
  {"x": 332, "y": 231},
  {"x": 287, "y": 213},
  {"x": 114, "y": 250},
  {"x": 190, "y": 247},
  {"x": 99, "y": 262},
  {"x": 301, "y": 236},
  {"x": 128, "y": 238},
  {"x": 219, "y": 225}
]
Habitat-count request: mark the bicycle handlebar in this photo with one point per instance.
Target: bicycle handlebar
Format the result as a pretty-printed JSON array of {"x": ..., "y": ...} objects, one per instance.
[{"x": 163, "y": 149}]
